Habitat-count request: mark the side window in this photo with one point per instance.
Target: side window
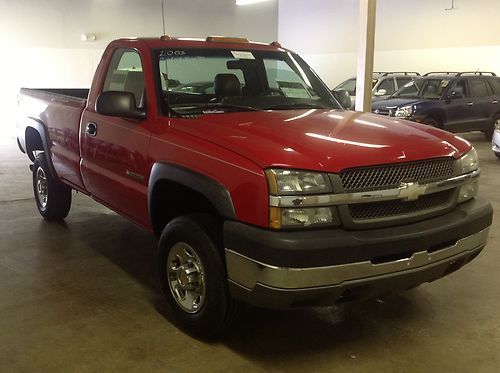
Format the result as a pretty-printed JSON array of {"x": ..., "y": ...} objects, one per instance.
[
  {"x": 402, "y": 81},
  {"x": 461, "y": 86},
  {"x": 349, "y": 86},
  {"x": 125, "y": 75},
  {"x": 388, "y": 85},
  {"x": 478, "y": 88},
  {"x": 495, "y": 84}
]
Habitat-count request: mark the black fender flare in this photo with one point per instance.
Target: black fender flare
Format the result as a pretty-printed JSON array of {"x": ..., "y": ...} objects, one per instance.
[
  {"x": 215, "y": 192},
  {"x": 39, "y": 126}
]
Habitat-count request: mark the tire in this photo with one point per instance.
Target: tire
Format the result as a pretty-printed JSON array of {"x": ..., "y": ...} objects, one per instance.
[
  {"x": 193, "y": 277},
  {"x": 53, "y": 198},
  {"x": 488, "y": 133},
  {"x": 430, "y": 121}
]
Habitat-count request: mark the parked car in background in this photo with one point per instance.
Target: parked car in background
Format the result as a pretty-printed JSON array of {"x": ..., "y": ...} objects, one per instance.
[
  {"x": 495, "y": 141},
  {"x": 456, "y": 102},
  {"x": 384, "y": 84}
]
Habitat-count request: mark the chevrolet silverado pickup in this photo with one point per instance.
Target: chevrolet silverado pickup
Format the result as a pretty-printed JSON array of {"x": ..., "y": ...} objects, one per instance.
[{"x": 260, "y": 186}]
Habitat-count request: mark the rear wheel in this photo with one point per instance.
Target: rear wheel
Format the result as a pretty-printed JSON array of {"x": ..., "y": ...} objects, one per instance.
[
  {"x": 193, "y": 276},
  {"x": 53, "y": 198}
]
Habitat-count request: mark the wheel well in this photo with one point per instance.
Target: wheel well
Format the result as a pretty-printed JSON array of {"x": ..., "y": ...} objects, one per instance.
[
  {"x": 437, "y": 116},
  {"x": 33, "y": 142},
  {"x": 170, "y": 200}
]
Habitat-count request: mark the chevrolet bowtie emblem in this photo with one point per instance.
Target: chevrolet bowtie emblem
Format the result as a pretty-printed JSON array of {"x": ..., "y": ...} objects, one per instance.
[{"x": 411, "y": 191}]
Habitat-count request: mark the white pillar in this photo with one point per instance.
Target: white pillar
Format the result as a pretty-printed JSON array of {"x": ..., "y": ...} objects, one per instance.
[{"x": 367, "y": 12}]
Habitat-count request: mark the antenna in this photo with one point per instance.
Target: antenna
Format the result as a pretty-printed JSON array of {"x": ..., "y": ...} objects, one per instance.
[{"x": 163, "y": 15}]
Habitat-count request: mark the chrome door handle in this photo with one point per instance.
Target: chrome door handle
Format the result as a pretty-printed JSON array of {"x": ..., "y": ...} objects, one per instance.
[
  {"x": 91, "y": 129},
  {"x": 470, "y": 103}
]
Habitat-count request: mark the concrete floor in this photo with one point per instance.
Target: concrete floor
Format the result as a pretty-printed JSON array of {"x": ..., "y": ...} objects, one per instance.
[{"x": 81, "y": 296}]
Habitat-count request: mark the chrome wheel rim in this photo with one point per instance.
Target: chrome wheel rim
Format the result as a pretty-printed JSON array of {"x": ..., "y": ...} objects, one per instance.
[
  {"x": 186, "y": 277},
  {"x": 41, "y": 187}
]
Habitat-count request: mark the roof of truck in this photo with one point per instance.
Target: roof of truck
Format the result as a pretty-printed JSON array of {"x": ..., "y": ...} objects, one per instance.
[{"x": 209, "y": 42}]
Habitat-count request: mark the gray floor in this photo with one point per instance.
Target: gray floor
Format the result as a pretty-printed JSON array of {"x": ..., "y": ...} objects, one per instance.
[{"x": 81, "y": 297}]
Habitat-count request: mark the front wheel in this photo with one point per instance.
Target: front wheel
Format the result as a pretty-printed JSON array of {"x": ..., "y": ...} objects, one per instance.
[
  {"x": 193, "y": 276},
  {"x": 53, "y": 198}
]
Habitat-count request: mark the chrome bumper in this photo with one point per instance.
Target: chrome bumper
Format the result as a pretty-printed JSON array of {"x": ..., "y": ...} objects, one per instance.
[{"x": 247, "y": 275}]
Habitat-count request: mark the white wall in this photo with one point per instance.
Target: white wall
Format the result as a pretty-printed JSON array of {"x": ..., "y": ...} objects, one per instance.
[
  {"x": 410, "y": 35},
  {"x": 41, "y": 44}
]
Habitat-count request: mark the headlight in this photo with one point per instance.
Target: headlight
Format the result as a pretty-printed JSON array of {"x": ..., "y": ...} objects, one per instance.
[
  {"x": 286, "y": 182},
  {"x": 404, "y": 111},
  {"x": 302, "y": 217},
  {"x": 469, "y": 161}
]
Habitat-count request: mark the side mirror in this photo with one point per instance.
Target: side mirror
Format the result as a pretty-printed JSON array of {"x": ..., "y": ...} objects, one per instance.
[
  {"x": 381, "y": 92},
  {"x": 457, "y": 93},
  {"x": 343, "y": 97},
  {"x": 118, "y": 104}
]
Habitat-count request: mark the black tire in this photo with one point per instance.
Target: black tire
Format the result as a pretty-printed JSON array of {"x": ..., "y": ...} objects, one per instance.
[
  {"x": 488, "y": 133},
  {"x": 212, "y": 310},
  {"x": 430, "y": 121},
  {"x": 53, "y": 198}
]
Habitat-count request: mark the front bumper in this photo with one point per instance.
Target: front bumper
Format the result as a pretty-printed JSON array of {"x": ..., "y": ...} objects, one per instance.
[{"x": 288, "y": 269}]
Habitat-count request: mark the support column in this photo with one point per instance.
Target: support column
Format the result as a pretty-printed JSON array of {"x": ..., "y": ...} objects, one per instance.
[{"x": 367, "y": 12}]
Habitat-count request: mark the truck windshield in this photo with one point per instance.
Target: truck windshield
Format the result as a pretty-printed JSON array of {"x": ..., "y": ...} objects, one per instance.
[
  {"x": 197, "y": 81},
  {"x": 428, "y": 88}
]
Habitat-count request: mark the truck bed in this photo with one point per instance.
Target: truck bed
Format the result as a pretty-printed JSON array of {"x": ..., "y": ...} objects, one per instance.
[{"x": 79, "y": 93}]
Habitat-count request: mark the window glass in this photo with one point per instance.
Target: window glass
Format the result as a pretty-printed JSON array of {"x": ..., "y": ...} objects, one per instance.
[
  {"x": 125, "y": 75},
  {"x": 349, "y": 85},
  {"x": 218, "y": 80},
  {"x": 402, "y": 81},
  {"x": 388, "y": 85},
  {"x": 495, "y": 84},
  {"x": 478, "y": 88}
]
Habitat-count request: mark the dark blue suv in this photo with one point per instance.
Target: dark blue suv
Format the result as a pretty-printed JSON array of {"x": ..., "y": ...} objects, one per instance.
[{"x": 456, "y": 102}]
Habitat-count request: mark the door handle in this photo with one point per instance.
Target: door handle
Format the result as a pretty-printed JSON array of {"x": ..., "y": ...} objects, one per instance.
[
  {"x": 494, "y": 102},
  {"x": 91, "y": 129},
  {"x": 470, "y": 103}
]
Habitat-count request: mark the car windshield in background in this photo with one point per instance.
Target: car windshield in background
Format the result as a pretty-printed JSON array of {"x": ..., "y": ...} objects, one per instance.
[
  {"x": 428, "y": 88},
  {"x": 196, "y": 81}
]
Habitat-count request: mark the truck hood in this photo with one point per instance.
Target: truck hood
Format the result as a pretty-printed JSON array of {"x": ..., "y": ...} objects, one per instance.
[{"x": 323, "y": 140}]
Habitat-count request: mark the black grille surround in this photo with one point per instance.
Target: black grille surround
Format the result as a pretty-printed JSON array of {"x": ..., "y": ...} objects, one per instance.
[{"x": 392, "y": 175}]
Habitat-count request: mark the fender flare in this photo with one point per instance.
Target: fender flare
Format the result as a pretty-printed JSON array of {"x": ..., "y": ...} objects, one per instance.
[
  {"x": 215, "y": 192},
  {"x": 39, "y": 126}
]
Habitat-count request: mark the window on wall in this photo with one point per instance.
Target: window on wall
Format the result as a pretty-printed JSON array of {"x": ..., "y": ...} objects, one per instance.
[{"x": 125, "y": 75}]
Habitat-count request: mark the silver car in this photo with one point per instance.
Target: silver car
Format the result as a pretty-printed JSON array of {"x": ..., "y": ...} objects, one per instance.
[
  {"x": 384, "y": 84},
  {"x": 495, "y": 141}
]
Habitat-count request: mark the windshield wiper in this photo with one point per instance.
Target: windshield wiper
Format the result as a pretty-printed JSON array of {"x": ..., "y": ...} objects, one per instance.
[
  {"x": 215, "y": 107},
  {"x": 295, "y": 105}
]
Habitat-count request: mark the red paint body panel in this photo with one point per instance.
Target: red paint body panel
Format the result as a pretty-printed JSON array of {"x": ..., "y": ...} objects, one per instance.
[{"x": 232, "y": 148}]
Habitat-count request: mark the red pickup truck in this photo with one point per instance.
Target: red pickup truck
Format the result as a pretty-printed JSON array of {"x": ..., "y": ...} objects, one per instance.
[{"x": 259, "y": 185}]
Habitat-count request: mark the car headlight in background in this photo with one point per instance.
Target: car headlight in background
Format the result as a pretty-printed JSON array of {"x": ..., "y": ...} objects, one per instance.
[
  {"x": 286, "y": 182},
  {"x": 404, "y": 111}
]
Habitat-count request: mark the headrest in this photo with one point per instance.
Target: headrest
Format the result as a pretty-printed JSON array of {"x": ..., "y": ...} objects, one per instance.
[{"x": 227, "y": 85}]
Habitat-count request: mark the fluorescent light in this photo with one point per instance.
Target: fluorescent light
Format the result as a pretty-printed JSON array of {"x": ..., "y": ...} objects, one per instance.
[{"x": 249, "y": 2}]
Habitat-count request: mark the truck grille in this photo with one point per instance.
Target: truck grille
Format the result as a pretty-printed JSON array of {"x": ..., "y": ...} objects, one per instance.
[
  {"x": 391, "y": 176},
  {"x": 386, "y": 209}
]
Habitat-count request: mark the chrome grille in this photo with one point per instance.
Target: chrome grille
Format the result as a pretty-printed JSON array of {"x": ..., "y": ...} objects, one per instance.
[
  {"x": 387, "y": 209},
  {"x": 391, "y": 176}
]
